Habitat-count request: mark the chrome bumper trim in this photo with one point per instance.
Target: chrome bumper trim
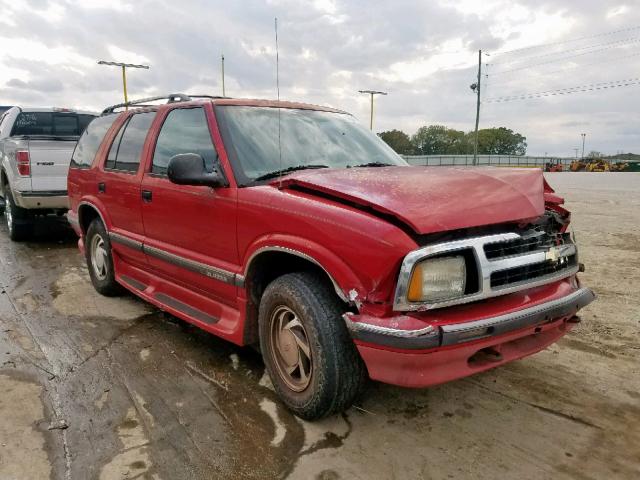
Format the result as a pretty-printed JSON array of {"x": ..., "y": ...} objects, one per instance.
[
  {"x": 427, "y": 337},
  {"x": 538, "y": 314},
  {"x": 453, "y": 334}
]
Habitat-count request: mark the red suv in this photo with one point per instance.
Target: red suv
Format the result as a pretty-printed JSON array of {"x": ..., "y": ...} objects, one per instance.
[{"x": 292, "y": 227}]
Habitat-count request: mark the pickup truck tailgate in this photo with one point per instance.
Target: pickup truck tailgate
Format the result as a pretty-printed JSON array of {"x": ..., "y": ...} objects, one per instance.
[{"x": 50, "y": 163}]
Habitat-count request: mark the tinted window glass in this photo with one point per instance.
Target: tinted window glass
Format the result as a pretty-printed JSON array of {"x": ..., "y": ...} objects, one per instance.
[
  {"x": 125, "y": 151},
  {"x": 50, "y": 123},
  {"x": 113, "y": 150},
  {"x": 90, "y": 141},
  {"x": 185, "y": 130}
]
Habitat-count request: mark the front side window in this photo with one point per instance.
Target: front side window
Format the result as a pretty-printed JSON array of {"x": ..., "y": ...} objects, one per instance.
[
  {"x": 90, "y": 141},
  {"x": 126, "y": 148},
  {"x": 263, "y": 140},
  {"x": 185, "y": 130}
]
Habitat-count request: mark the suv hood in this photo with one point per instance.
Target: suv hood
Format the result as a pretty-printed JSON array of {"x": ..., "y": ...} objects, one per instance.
[{"x": 433, "y": 199}]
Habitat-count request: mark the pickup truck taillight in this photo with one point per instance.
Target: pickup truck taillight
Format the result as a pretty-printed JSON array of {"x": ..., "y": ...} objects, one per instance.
[{"x": 24, "y": 163}]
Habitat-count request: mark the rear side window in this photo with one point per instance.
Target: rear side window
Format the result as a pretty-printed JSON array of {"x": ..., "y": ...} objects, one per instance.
[
  {"x": 50, "y": 123},
  {"x": 185, "y": 130},
  {"x": 126, "y": 148},
  {"x": 90, "y": 141}
]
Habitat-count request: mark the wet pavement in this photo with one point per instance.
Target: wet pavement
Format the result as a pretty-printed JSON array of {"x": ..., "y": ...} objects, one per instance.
[{"x": 92, "y": 387}]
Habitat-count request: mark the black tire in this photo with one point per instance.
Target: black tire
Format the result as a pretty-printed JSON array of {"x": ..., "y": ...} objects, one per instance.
[
  {"x": 337, "y": 373},
  {"x": 103, "y": 279},
  {"x": 19, "y": 221}
]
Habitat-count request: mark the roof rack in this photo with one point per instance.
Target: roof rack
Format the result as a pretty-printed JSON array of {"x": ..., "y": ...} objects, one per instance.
[{"x": 171, "y": 98}]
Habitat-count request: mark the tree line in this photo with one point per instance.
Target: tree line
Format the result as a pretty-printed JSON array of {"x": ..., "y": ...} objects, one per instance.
[{"x": 440, "y": 140}]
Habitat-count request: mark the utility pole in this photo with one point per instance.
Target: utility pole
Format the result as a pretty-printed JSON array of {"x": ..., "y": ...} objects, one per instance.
[
  {"x": 124, "y": 67},
  {"x": 223, "y": 94},
  {"x": 576, "y": 149},
  {"x": 476, "y": 87},
  {"x": 583, "y": 136},
  {"x": 372, "y": 93}
]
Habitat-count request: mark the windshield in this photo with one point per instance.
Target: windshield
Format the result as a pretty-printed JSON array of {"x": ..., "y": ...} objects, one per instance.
[
  {"x": 51, "y": 123},
  {"x": 309, "y": 138}
]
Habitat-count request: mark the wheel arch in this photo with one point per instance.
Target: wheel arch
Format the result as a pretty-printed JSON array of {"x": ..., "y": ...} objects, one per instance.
[
  {"x": 87, "y": 212},
  {"x": 268, "y": 262}
]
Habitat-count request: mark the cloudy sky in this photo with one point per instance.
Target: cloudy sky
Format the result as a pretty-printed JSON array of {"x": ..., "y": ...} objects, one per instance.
[{"x": 423, "y": 52}]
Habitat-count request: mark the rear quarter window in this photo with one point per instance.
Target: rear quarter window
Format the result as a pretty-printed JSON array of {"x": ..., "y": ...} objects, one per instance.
[
  {"x": 124, "y": 153},
  {"x": 90, "y": 141}
]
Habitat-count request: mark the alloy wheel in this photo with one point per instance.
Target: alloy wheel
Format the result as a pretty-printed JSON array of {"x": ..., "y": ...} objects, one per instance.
[{"x": 289, "y": 345}]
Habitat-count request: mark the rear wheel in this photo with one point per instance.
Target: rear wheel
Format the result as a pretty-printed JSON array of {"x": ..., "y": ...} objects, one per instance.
[
  {"x": 18, "y": 220},
  {"x": 307, "y": 350},
  {"x": 100, "y": 260}
]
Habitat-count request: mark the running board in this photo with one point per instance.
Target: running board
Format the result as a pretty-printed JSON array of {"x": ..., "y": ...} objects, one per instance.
[
  {"x": 132, "y": 282},
  {"x": 185, "y": 309}
]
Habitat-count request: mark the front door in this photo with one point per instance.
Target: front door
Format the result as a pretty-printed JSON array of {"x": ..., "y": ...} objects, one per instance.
[{"x": 190, "y": 230}]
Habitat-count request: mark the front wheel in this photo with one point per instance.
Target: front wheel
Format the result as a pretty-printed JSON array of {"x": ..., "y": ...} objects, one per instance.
[
  {"x": 307, "y": 350},
  {"x": 100, "y": 260}
]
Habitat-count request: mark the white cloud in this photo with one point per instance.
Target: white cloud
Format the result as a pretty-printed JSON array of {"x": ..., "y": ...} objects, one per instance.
[{"x": 423, "y": 53}]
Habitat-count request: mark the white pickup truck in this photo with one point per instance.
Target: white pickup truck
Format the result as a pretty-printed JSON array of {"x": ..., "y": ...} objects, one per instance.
[{"x": 36, "y": 145}]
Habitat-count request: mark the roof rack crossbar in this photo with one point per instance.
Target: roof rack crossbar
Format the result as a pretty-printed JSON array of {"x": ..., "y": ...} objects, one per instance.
[{"x": 171, "y": 98}]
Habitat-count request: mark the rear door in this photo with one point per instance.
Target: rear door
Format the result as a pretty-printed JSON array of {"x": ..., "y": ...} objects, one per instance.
[
  {"x": 190, "y": 230},
  {"x": 50, "y": 139},
  {"x": 118, "y": 187}
]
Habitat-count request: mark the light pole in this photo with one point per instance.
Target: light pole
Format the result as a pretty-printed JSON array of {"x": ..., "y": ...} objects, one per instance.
[
  {"x": 124, "y": 67},
  {"x": 576, "y": 149},
  {"x": 583, "y": 136},
  {"x": 372, "y": 93},
  {"x": 223, "y": 94},
  {"x": 476, "y": 88}
]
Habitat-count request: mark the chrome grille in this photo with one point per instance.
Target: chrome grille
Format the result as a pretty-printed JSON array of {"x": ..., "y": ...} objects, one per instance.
[
  {"x": 528, "y": 242},
  {"x": 506, "y": 263},
  {"x": 531, "y": 272}
]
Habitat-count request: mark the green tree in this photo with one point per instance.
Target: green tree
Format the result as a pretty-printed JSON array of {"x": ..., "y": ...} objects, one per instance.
[
  {"x": 499, "y": 141},
  {"x": 398, "y": 140},
  {"x": 438, "y": 139}
]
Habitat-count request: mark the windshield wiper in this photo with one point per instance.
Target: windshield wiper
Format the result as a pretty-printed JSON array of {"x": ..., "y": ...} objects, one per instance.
[
  {"x": 277, "y": 173},
  {"x": 372, "y": 164}
]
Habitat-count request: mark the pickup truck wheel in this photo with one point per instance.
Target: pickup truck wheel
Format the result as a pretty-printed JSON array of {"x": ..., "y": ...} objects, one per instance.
[
  {"x": 17, "y": 219},
  {"x": 100, "y": 260},
  {"x": 307, "y": 350}
]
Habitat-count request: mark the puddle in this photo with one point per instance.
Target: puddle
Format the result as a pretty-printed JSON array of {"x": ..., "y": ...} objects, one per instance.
[{"x": 74, "y": 295}]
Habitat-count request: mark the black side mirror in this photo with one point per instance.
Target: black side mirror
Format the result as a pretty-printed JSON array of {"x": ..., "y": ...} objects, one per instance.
[{"x": 189, "y": 169}]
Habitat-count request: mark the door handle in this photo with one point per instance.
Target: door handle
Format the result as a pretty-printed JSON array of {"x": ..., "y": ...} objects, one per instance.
[
  {"x": 147, "y": 195},
  {"x": 102, "y": 187}
]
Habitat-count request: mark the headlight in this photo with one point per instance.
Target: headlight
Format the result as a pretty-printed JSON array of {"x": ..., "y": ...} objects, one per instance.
[{"x": 437, "y": 279}]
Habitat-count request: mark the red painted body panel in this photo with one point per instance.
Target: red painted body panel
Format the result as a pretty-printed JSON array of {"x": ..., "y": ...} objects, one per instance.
[
  {"x": 338, "y": 219},
  {"x": 411, "y": 369},
  {"x": 435, "y": 199}
]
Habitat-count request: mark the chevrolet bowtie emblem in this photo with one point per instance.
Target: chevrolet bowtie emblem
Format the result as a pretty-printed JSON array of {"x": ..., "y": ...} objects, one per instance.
[{"x": 552, "y": 254}]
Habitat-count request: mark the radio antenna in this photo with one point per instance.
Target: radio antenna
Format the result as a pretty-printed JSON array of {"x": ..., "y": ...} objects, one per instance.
[{"x": 278, "y": 96}]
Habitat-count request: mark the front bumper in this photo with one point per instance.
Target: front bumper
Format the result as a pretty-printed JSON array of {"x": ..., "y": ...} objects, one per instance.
[
  {"x": 44, "y": 199},
  {"x": 440, "y": 352}
]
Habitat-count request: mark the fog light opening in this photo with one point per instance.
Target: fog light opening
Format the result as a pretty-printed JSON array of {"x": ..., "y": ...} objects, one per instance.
[{"x": 484, "y": 357}]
